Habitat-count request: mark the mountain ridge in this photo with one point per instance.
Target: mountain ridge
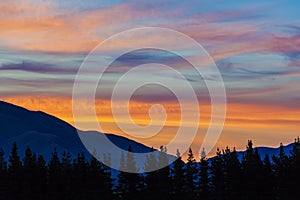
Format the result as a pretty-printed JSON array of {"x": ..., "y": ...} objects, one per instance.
[{"x": 43, "y": 132}]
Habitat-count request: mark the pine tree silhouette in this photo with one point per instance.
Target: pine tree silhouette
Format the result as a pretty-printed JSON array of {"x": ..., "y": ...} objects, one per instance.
[
  {"x": 129, "y": 183},
  {"x": 41, "y": 175},
  {"x": 15, "y": 174},
  {"x": 203, "y": 176},
  {"x": 191, "y": 187},
  {"x": 281, "y": 167},
  {"x": 178, "y": 178},
  {"x": 253, "y": 173},
  {"x": 151, "y": 177},
  {"x": 269, "y": 178},
  {"x": 3, "y": 176},
  {"x": 134, "y": 179},
  {"x": 233, "y": 174},
  {"x": 163, "y": 173},
  {"x": 66, "y": 176},
  {"x": 218, "y": 176},
  {"x": 122, "y": 189},
  {"x": 55, "y": 182},
  {"x": 107, "y": 178},
  {"x": 80, "y": 167},
  {"x": 293, "y": 177},
  {"x": 29, "y": 169},
  {"x": 95, "y": 179}
]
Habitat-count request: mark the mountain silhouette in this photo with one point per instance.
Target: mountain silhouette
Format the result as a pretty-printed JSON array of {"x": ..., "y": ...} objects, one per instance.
[
  {"x": 43, "y": 132},
  {"x": 263, "y": 151}
]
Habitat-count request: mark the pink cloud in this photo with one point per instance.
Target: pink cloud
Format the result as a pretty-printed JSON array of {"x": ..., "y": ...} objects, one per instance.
[
  {"x": 288, "y": 45},
  {"x": 49, "y": 28},
  {"x": 28, "y": 25}
]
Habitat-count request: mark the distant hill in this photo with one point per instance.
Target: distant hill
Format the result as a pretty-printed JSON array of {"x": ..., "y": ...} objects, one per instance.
[
  {"x": 263, "y": 151},
  {"x": 43, "y": 132}
]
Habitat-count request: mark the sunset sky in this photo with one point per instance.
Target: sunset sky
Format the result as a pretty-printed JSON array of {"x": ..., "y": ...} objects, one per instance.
[{"x": 255, "y": 45}]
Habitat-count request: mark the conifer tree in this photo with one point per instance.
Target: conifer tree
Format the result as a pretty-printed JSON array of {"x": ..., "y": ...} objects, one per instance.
[
  {"x": 191, "y": 187},
  {"x": 66, "y": 176},
  {"x": 29, "y": 176},
  {"x": 293, "y": 177},
  {"x": 217, "y": 175},
  {"x": 15, "y": 174},
  {"x": 203, "y": 176},
  {"x": 97, "y": 182},
  {"x": 122, "y": 189},
  {"x": 3, "y": 164},
  {"x": 178, "y": 178},
  {"x": 151, "y": 178},
  {"x": 268, "y": 178},
  {"x": 41, "y": 177},
  {"x": 233, "y": 174},
  {"x": 281, "y": 167},
  {"x": 107, "y": 178},
  {"x": 163, "y": 173},
  {"x": 134, "y": 178},
  {"x": 253, "y": 173},
  {"x": 3, "y": 176},
  {"x": 129, "y": 181},
  {"x": 95, "y": 178},
  {"x": 80, "y": 176},
  {"x": 55, "y": 182}
]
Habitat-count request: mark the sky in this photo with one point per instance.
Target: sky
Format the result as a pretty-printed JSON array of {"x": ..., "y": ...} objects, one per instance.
[{"x": 254, "y": 44}]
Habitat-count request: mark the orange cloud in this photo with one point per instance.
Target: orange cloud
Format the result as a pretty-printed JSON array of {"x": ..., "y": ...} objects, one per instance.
[
  {"x": 31, "y": 25},
  {"x": 46, "y": 27}
]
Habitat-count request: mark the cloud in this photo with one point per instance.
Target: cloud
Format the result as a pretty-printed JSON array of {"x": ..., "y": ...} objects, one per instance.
[
  {"x": 147, "y": 56},
  {"x": 47, "y": 27},
  {"x": 37, "y": 67},
  {"x": 285, "y": 45}
]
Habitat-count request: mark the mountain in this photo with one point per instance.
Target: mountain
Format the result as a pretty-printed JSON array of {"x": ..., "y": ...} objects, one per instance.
[
  {"x": 43, "y": 132},
  {"x": 263, "y": 151}
]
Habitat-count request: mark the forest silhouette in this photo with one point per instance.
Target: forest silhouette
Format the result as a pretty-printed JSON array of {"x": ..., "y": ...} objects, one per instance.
[{"x": 224, "y": 176}]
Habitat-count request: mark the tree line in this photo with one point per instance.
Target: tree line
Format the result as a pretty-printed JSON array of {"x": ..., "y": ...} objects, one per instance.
[{"x": 225, "y": 176}]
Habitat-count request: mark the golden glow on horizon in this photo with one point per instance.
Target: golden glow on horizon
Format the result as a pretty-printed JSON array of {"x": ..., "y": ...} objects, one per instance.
[{"x": 243, "y": 121}]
